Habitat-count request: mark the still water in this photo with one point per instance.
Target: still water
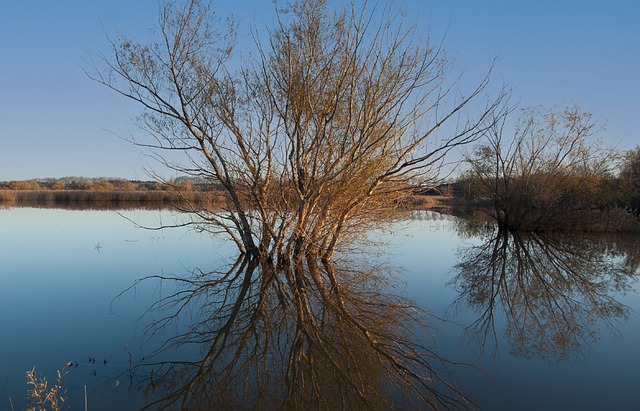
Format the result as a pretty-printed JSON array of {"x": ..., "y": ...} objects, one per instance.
[{"x": 529, "y": 323}]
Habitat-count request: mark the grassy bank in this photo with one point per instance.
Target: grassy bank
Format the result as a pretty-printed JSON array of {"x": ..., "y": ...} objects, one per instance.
[{"x": 115, "y": 199}]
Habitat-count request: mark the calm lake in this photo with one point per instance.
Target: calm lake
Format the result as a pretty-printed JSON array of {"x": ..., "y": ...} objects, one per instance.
[{"x": 533, "y": 322}]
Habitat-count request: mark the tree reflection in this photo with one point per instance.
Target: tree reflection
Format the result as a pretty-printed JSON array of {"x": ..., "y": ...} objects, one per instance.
[
  {"x": 308, "y": 336},
  {"x": 553, "y": 290}
]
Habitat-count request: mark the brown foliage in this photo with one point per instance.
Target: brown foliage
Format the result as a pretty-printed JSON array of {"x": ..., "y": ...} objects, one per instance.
[
  {"x": 323, "y": 131},
  {"x": 550, "y": 175}
]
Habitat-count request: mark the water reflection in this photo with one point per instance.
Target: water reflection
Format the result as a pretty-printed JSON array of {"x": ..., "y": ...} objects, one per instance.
[
  {"x": 554, "y": 291},
  {"x": 310, "y": 336}
]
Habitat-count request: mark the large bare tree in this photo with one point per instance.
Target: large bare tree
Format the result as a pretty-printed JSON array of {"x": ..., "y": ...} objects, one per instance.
[{"x": 320, "y": 133}]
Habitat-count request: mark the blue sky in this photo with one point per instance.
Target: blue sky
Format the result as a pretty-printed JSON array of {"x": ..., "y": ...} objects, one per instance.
[{"x": 55, "y": 121}]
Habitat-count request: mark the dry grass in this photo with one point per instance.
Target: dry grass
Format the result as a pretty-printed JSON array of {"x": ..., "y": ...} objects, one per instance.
[
  {"x": 45, "y": 397},
  {"x": 7, "y": 196},
  {"x": 417, "y": 201}
]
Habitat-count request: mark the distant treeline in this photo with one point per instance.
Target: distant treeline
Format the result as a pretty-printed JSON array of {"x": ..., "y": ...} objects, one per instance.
[
  {"x": 116, "y": 193},
  {"x": 106, "y": 184},
  {"x": 103, "y": 193}
]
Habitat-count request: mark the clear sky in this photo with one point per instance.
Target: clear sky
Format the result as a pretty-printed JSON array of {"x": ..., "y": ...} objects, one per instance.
[{"x": 55, "y": 121}]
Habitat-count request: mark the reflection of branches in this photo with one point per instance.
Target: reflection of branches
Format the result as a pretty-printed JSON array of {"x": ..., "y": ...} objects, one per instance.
[
  {"x": 552, "y": 289},
  {"x": 309, "y": 336}
]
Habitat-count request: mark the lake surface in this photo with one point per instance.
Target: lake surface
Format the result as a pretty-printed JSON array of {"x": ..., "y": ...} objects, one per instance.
[{"x": 536, "y": 323}]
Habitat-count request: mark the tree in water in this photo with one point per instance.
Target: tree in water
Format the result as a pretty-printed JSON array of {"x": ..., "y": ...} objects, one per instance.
[
  {"x": 320, "y": 134},
  {"x": 550, "y": 173}
]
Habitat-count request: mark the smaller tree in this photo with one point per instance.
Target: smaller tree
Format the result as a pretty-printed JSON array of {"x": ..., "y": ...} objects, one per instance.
[
  {"x": 128, "y": 186},
  {"x": 58, "y": 185},
  {"x": 551, "y": 175},
  {"x": 34, "y": 185},
  {"x": 104, "y": 185}
]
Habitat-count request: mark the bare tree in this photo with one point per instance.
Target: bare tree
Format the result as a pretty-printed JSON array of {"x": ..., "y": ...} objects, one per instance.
[
  {"x": 318, "y": 135},
  {"x": 547, "y": 174}
]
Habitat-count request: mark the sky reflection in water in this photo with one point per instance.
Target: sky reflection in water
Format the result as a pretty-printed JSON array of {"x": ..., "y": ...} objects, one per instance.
[{"x": 61, "y": 270}]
